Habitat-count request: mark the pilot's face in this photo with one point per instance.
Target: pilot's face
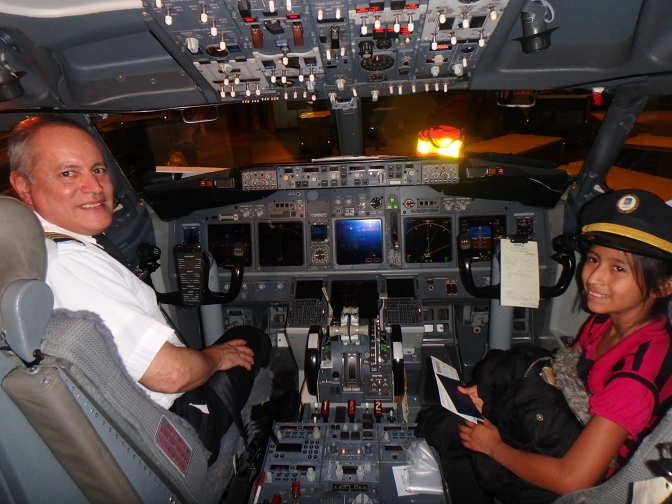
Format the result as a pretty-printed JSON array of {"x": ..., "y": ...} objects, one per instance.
[{"x": 69, "y": 185}]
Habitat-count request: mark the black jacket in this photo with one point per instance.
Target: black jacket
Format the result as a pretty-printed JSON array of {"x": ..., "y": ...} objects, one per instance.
[{"x": 530, "y": 414}]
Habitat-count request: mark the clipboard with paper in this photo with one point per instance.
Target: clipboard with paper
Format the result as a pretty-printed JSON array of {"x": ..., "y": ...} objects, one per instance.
[{"x": 447, "y": 381}]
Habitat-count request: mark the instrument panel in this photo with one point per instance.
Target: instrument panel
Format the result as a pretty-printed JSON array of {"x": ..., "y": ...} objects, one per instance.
[
  {"x": 257, "y": 50},
  {"x": 389, "y": 247},
  {"x": 411, "y": 231},
  {"x": 369, "y": 228},
  {"x": 331, "y": 457}
]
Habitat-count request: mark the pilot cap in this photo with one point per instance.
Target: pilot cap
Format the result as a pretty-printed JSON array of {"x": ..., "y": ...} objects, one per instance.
[{"x": 631, "y": 220}]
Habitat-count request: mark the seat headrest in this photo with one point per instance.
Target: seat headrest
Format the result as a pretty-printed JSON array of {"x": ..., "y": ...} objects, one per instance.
[{"x": 24, "y": 253}]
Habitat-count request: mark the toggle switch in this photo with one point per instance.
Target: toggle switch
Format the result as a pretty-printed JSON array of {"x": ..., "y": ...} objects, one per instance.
[
  {"x": 257, "y": 36},
  {"x": 297, "y": 31}
]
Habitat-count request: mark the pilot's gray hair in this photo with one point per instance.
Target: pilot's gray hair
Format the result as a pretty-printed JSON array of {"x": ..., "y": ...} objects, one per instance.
[{"x": 21, "y": 156}]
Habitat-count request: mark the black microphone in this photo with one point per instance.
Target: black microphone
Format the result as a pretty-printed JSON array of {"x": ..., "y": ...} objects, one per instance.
[{"x": 149, "y": 256}]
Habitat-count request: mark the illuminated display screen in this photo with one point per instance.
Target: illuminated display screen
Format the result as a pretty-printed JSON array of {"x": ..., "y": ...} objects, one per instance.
[
  {"x": 281, "y": 244},
  {"x": 222, "y": 237},
  {"x": 319, "y": 232},
  {"x": 481, "y": 237},
  {"x": 483, "y": 231},
  {"x": 428, "y": 240},
  {"x": 359, "y": 241}
]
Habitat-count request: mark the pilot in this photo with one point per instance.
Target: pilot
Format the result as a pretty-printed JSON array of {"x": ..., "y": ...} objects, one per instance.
[{"x": 59, "y": 171}]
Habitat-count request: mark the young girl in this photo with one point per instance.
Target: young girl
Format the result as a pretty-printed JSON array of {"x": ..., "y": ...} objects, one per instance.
[{"x": 626, "y": 281}]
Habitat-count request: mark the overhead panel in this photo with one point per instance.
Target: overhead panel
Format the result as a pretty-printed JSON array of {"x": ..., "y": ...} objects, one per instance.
[{"x": 287, "y": 49}]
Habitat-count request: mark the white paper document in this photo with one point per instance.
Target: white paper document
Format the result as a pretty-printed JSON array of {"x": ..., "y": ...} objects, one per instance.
[
  {"x": 447, "y": 380},
  {"x": 519, "y": 273},
  {"x": 651, "y": 491}
]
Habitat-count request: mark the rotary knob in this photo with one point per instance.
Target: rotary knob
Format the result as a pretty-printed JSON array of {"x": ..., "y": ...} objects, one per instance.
[{"x": 366, "y": 49}]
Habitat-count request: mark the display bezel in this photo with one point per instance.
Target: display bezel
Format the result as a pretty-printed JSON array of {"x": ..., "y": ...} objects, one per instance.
[
  {"x": 435, "y": 253},
  {"x": 349, "y": 241},
  {"x": 294, "y": 238},
  {"x": 496, "y": 225},
  {"x": 219, "y": 250}
]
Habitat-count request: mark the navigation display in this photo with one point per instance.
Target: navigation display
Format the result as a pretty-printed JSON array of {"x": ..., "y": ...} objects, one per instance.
[
  {"x": 428, "y": 240},
  {"x": 359, "y": 241},
  {"x": 222, "y": 237},
  {"x": 281, "y": 244}
]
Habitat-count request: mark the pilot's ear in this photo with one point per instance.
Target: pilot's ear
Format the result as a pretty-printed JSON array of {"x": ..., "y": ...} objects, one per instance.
[{"x": 22, "y": 186}]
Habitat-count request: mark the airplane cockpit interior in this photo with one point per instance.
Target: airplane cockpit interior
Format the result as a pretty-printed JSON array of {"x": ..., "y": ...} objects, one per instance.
[{"x": 381, "y": 186}]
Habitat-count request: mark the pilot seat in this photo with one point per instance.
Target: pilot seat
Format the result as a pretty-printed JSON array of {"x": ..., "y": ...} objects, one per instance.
[{"x": 75, "y": 427}]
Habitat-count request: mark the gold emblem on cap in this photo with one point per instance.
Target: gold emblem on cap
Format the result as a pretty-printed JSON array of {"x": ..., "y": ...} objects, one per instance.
[{"x": 627, "y": 203}]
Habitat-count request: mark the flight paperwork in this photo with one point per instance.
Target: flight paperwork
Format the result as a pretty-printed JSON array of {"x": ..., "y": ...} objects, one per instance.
[
  {"x": 520, "y": 274},
  {"x": 447, "y": 380}
]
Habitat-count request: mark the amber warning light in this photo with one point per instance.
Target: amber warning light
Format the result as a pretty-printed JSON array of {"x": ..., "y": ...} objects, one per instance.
[{"x": 441, "y": 141}]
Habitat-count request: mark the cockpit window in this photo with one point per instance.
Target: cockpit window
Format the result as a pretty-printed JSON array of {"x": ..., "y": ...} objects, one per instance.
[
  {"x": 564, "y": 125},
  {"x": 648, "y": 149},
  {"x": 238, "y": 135}
]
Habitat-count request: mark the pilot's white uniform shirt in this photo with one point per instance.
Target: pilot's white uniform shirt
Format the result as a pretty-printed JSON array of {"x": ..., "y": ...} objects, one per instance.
[{"x": 85, "y": 277}]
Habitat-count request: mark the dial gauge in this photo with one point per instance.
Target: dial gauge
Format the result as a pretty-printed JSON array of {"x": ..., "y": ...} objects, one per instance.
[
  {"x": 377, "y": 63},
  {"x": 428, "y": 240},
  {"x": 320, "y": 255}
]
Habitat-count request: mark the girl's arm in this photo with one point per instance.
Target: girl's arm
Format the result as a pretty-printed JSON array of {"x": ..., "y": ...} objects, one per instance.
[{"x": 581, "y": 467}]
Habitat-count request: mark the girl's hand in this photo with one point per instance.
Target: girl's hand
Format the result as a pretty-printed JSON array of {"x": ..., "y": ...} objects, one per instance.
[
  {"x": 473, "y": 393},
  {"x": 479, "y": 437}
]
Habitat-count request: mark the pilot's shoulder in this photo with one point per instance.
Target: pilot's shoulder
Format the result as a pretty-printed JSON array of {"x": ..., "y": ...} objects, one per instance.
[
  {"x": 61, "y": 238},
  {"x": 60, "y": 245}
]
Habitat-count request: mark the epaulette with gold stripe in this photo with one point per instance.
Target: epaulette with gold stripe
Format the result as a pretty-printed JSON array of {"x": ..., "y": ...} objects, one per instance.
[{"x": 60, "y": 237}]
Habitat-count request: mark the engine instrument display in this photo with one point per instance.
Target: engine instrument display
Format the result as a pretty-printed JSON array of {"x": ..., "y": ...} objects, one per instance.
[
  {"x": 281, "y": 244},
  {"x": 482, "y": 232},
  {"x": 222, "y": 237},
  {"x": 359, "y": 241},
  {"x": 428, "y": 240}
]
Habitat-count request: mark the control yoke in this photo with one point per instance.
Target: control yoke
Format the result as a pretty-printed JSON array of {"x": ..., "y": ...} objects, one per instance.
[
  {"x": 563, "y": 246},
  {"x": 193, "y": 266}
]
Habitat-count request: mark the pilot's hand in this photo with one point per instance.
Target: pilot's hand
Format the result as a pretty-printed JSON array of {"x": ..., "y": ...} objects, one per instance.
[
  {"x": 481, "y": 437},
  {"x": 473, "y": 393},
  {"x": 231, "y": 354}
]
